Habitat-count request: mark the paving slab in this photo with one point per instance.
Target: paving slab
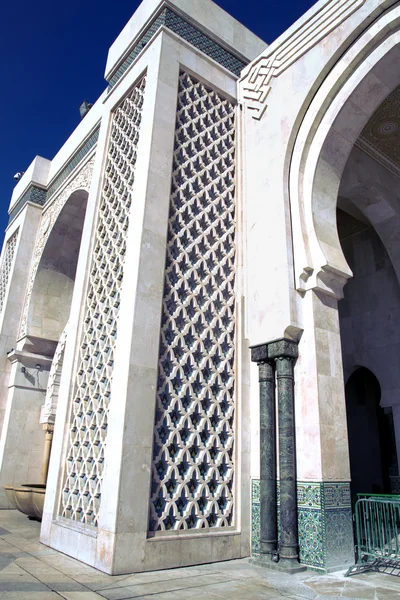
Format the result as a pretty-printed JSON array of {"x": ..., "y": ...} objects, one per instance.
[
  {"x": 81, "y": 596},
  {"x": 31, "y": 571},
  {"x": 23, "y": 595}
]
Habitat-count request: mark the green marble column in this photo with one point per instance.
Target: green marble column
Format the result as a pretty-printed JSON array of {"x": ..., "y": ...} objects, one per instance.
[
  {"x": 277, "y": 358},
  {"x": 268, "y": 501},
  {"x": 288, "y": 546},
  {"x": 268, "y": 493},
  {"x": 285, "y": 353}
]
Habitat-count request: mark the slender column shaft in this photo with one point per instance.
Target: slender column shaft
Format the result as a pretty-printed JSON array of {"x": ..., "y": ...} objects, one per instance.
[
  {"x": 47, "y": 451},
  {"x": 268, "y": 499},
  {"x": 288, "y": 545}
]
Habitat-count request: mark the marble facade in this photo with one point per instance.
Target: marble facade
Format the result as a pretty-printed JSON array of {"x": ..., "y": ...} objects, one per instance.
[{"x": 190, "y": 217}]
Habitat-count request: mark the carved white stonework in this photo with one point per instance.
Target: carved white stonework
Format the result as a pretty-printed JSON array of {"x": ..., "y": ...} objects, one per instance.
[
  {"x": 193, "y": 462},
  {"x": 49, "y": 409},
  {"x": 50, "y": 214},
  {"x": 81, "y": 493},
  {"x": 258, "y": 77},
  {"x": 6, "y": 266}
]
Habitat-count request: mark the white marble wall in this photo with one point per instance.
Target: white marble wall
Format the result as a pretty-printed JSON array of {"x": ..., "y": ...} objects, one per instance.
[
  {"x": 26, "y": 224},
  {"x": 121, "y": 543},
  {"x": 306, "y": 99}
]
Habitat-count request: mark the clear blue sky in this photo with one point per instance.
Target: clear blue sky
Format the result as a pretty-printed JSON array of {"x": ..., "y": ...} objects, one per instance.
[{"x": 53, "y": 56}]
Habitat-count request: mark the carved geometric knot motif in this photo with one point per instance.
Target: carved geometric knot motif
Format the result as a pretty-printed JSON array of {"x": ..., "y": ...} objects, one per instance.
[
  {"x": 6, "y": 266},
  {"x": 81, "y": 495},
  {"x": 256, "y": 83},
  {"x": 193, "y": 455}
]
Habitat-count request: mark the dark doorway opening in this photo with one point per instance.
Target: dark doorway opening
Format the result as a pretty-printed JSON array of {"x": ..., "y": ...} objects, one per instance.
[{"x": 371, "y": 435}]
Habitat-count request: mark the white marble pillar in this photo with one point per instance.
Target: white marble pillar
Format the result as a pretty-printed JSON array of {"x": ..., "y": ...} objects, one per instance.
[
  {"x": 114, "y": 535},
  {"x": 20, "y": 236}
]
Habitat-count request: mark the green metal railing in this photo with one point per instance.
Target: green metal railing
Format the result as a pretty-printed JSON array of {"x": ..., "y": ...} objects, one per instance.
[{"x": 377, "y": 530}]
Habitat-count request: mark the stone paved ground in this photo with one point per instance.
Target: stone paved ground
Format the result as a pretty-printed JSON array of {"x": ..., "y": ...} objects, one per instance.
[{"x": 31, "y": 571}]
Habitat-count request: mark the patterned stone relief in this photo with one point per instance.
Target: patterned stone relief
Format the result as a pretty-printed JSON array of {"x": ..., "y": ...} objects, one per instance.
[
  {"x": 73, "y": 162},
  {"x": 49, "y": 409},
  {"x": 6, "y": 266},
  {"x": 49, "y": 217},
  {"x": 193, "y": 457},
  {"x": 174, "y": 22},
  {"x": 258, "y": 77},
  {"x": 81, "y": 494},
  {"x": 33, "y": 194}
]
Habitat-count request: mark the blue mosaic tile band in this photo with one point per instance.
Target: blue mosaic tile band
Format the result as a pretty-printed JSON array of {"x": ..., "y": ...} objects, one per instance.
[
  {"x": 311, "y": 537},
  {"x": 310, "y": 501},
  {"x": 186, "y": 31},
  {"x": 146, "y": 37},
  {"x": 255, "y": 516},
  {"x": 204, "y": 43},
  {"x": 39, "y": 195},
  {"x": 33, "y": 194},
  {"x": 337, "y": 495},
  {"x": 324, "y": 520},
  {"x": 72, "y": 163}
]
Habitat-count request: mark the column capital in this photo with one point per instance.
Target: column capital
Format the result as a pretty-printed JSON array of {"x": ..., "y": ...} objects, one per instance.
[
  {"x": 282, "y": 348},
  {"x": 259, "y": 354}
]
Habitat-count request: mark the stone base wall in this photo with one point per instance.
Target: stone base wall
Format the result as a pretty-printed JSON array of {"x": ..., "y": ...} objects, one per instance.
[
  {"x": 325, "y": 524},
  {"x": 395, "y": 484}
]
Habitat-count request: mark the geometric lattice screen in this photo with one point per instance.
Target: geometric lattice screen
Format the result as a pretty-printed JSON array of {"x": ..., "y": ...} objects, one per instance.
[
  {"x": 193, "y": 456},
  {"x": 81, "y": 495},
  {"x": 6, "y": 266}
]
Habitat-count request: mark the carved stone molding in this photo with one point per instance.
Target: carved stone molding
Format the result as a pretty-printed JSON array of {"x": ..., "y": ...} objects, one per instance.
[
  {"x": 49, "y": 217},
  {"x": 49, "y": 409},
  {"x": 6, "y": 266},
  {"x": 258, "y": 77}
]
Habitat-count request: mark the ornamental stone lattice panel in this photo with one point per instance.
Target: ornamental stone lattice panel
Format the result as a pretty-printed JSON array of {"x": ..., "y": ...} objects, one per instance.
[
  {"x": 81, "y": 495},
  {"x": 6, "y": 266},
  {"x": 193, "y": 456},
  {"x": 49, "y": 409}
]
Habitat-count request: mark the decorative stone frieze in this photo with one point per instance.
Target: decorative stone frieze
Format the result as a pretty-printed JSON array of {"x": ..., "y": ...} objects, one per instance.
[
  {"x": 6, "y": 266},
  {"x": 258, "y": 78},
  {"x": 180, "y": 26}
]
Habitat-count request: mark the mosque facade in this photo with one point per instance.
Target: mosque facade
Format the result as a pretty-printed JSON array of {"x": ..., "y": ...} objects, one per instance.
[{"x": 198, "y": 296}]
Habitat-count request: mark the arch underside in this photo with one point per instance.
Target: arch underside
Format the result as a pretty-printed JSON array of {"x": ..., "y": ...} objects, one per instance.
[
  {"x": 53, "y": 281},
  {"x": 339, "y": 113}
]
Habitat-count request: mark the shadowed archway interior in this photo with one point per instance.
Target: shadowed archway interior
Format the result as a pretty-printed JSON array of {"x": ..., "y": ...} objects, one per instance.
[
  {"x": 54, "y": 283},
  {"x": 371, "y": 435}
]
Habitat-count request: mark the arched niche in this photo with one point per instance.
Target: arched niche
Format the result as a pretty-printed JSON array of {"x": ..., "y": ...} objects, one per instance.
[
  {"x": 345, "y": 102},
  {"x": 52, "y": 290},
  {"x": 372, "y": 190},
  {"x": 370, "y": 434}
]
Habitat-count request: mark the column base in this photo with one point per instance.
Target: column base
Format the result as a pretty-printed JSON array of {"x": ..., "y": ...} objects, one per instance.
[
  {"x": 290, "y": 567},
  {"x": 325, "y": 525}
]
